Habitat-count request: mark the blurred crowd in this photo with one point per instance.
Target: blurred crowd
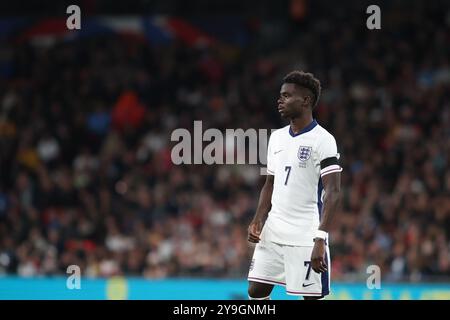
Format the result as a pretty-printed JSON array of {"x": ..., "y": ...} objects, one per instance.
[{"x": 85, "y": 149}]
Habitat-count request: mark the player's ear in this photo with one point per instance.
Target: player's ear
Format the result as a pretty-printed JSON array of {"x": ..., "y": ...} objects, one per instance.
[{"x": 307, "y": 101}]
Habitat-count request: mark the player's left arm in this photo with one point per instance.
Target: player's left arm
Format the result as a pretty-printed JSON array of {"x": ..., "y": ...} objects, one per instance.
[{"x": 332, "y": 185}]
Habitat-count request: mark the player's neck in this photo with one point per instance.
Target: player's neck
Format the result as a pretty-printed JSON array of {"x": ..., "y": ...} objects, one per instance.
[{"x": 298, "y": 124}]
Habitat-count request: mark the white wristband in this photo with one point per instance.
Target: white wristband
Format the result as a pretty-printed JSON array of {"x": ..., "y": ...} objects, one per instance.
[{"x": 321, "y": 234}]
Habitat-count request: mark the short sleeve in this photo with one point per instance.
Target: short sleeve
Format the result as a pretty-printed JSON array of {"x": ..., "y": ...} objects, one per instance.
[
  {"x": 270, "y": 163},
  {"x": 328, "y": 156}
]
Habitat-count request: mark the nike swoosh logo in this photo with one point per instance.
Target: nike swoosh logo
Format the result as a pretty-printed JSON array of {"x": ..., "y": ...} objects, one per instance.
[
  {"x": 277, "y": 151},
  {"x": 307, "y": 285}
]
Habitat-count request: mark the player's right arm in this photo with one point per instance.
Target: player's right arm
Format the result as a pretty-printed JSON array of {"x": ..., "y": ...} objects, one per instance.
[{"x": 264, "y": 205}]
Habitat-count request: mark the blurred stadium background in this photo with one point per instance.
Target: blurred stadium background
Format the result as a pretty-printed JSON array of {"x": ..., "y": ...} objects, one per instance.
[{"x": 86, "y": 176}]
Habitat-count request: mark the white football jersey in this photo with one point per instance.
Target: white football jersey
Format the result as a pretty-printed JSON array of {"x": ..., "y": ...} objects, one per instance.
[{"x": 295, "y": 161}]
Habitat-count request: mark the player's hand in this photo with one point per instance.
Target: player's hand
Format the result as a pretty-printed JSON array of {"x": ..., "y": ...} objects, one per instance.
[
  {"x": 318, "y": 256},
  {"x": 254, "y": 231}
]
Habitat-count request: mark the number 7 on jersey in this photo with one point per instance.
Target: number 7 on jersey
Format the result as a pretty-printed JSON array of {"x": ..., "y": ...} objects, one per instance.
[{"x": 288, "y": 169}]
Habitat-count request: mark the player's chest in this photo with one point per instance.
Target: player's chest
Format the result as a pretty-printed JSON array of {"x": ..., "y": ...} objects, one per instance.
[{"x": 295, "y": 152}]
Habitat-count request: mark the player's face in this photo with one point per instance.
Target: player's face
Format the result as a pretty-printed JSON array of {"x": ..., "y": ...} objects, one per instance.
[{"x": 290, "y": 102}]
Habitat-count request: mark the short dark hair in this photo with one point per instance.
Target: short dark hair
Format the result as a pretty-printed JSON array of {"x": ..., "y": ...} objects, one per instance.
[{"x": 305, "y": 80}]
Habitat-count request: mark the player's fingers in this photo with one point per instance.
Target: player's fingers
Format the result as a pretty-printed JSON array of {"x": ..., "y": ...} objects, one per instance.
[
  {"x": 323, "y": 266},
  {"x": 255, "y": 229},
  {"x": 254, "y": 233},
  {"x": 252, "y": 236},
  {"x": 318, "y": 265},
  {"x": 253, "y": 240}
]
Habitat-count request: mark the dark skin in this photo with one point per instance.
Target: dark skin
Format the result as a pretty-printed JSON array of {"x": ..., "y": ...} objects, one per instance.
[
  {"x": 264, "y": 205},
  {"x": 257, "y": 289},
  {"x": 295, "y": 104}
]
